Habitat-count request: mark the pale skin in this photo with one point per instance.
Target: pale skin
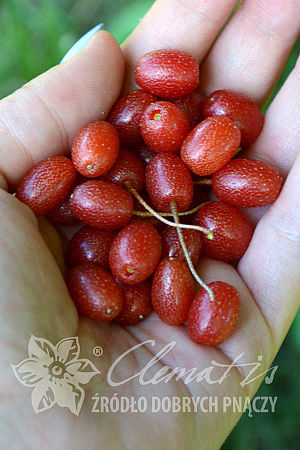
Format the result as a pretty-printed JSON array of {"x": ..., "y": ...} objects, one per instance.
[{"x": 41, "y": 119}]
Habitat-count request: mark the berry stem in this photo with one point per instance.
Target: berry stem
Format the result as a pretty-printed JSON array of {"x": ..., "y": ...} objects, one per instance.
[
  {"x": 186, "y": 253},
  {"x": 133, "y": 191},
  {"x": 185, "y": 213},
  {"x": 205, "y": 182}
]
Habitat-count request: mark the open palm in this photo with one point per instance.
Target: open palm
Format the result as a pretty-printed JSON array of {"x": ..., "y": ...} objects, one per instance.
[{"x": 41, "y": 120}]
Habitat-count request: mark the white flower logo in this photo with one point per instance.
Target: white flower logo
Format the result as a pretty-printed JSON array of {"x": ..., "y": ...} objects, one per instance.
[{"x": 55, "y": 374}]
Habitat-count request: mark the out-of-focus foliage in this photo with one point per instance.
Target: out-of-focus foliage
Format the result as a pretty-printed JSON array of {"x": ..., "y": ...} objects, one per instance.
[{"x": 35, "y": 34}]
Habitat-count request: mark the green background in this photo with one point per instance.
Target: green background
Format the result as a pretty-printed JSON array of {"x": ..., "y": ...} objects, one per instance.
[{"x": 35, "y": 34}]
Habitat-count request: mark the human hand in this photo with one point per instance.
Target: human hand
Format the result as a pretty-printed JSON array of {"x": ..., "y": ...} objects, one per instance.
[{"x": 41, "y": 119}]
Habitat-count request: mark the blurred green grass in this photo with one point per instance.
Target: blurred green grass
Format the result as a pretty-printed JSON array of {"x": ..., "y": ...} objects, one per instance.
[{"x": 35, "y": 34}]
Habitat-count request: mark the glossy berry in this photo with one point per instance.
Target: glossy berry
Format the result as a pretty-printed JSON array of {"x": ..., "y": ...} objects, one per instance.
[
  {"x": 95, "y": 149},
  {"x": 137, "y": 304},
  {"x": 127, "y": 169},
  {"x": 164, "y": 126},
  {"x": 63, "y": 214},
  {"x": 135, "y": 253},
  {"x": 247, "y": 183},
  {"x": 239, "y": 108},
  {"x": 210, "y": 145},
  {"x": 144, "y": 153},
  {"x": 95, "y": 293},
  {"x": 90, "y": 245},
  {"x": 102, "y": 204},
  {"x": 167, "y": 73},
  {"x": 171, "y": 247},
  {"x": 126, "y": 115},
  {"x": 172, "y": 291},
  {"x": 232, "y": 232},
  {"x": 168, "y": 179},
  {"x": 191, "y": 105},
  {"x": 47, "y": 184},
  {"x": 211, "y": 322}
]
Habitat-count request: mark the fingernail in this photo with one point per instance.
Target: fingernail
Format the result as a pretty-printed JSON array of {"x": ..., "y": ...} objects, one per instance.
[{"x": 81, "y": 43}]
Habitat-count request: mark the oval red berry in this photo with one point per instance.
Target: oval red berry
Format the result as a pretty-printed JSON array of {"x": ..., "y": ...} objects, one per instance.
[
  {"x": 102, "y": 204},
  {"x": 47, "y": 184},
  {"x": 232, "y": 232},
  {"x": 167, "y": 180},
  {"x": 126, "y": 115},
  {"x": 247, "y": 183},
  {"x": 135, "y": 253},
  {"x": 127, "y": 169},
  {"x": 210, "y": 145},
  {"x": 211, "y": 322},
  {"x": 164, "y": 127},
  {"x": 191, "y": 105},
  {"x": 172, "y": 291},
  {"x": 94, "y": 292},
  {"x": 172, "y": 248},
  {"x": 90, "y": 245},
  {"x": 167, "y": 73},
  {"x": 239, "y": 108},
  {"x": 95, "y": 149},
  {"x": 137, "y": 305}
]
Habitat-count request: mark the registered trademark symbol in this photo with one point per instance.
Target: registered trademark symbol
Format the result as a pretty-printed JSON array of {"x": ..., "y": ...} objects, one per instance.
[{"x": 98, "y": 351}]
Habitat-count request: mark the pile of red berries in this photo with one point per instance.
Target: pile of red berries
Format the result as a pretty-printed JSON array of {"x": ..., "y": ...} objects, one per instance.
[{"x": 131, "y": 178}]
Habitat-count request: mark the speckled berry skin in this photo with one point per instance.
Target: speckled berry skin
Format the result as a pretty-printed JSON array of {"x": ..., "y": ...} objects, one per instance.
[
  {"x": 167, "y": 73},
  {"x": 102, "y": 204},
  {"x": 137, "y": 304},
  {"x": 211, "y": 322},
  {"x": 127, "y": 169},
  {"x": 95, "y": 293},
  {"x": 164, "y": 127},
  {"x": 126, "y": 115},
  {"x": 62, "y": 214},
  {"x": 238, "y": 107},
  {"x": 232, "y": 232},
  {"x": 168, "y": 179},
  {"x": 172, "y": 291},
  {"x": 247, "y": 183},
  {"x": 135, "y": 252},
  {"x": 95, "y": 149},
  {"x": 171, "y": 247},
  {"x": 47, "y": 184},
  {"x": 144, "y": 153},
  {"x": 191, "y": 105},
  {"x": 210, "y": 145},
  {"x": 90, "y": 245}
]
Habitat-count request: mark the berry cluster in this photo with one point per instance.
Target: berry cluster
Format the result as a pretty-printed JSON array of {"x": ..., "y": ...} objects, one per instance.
[{"x": 135, "y": 182}]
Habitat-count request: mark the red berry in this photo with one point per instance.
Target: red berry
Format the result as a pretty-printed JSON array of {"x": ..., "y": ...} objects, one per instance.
[
  {"x": 47, "y": 184},
  {"x": 90, "y": 245},
  {"x": 95, "y": 149},
  {"x": 247, "y": 183},
  {"x": 144, "y": 153},
  {"x": 126, "y": 115},
  {"x": 62, "y": 214},
  {"x": 191, "y": 105},
  {"x": 164, "y": 127},
  {"x": 232, "y": 232},
  {"x": 135, "y": 253},
  {"x": 167, "y": 73},
  {"x": 95, "y": 293},
  {"x": 137, "y": 305},
  {"x": 172, "y": 291},
  {"x": 127, "y": 169},
  {"x": 102, "y": 204},
  {"x": 210, "y": 145},
  {"x": 168, "y": 179},
  {"x": 239, "y": 108},
  {"x": 172, "y": 248},
  {"x": 211, "y": 322}
]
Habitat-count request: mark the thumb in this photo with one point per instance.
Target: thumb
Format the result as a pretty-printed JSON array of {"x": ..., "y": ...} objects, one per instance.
[{"x": 42, "y": 118}]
